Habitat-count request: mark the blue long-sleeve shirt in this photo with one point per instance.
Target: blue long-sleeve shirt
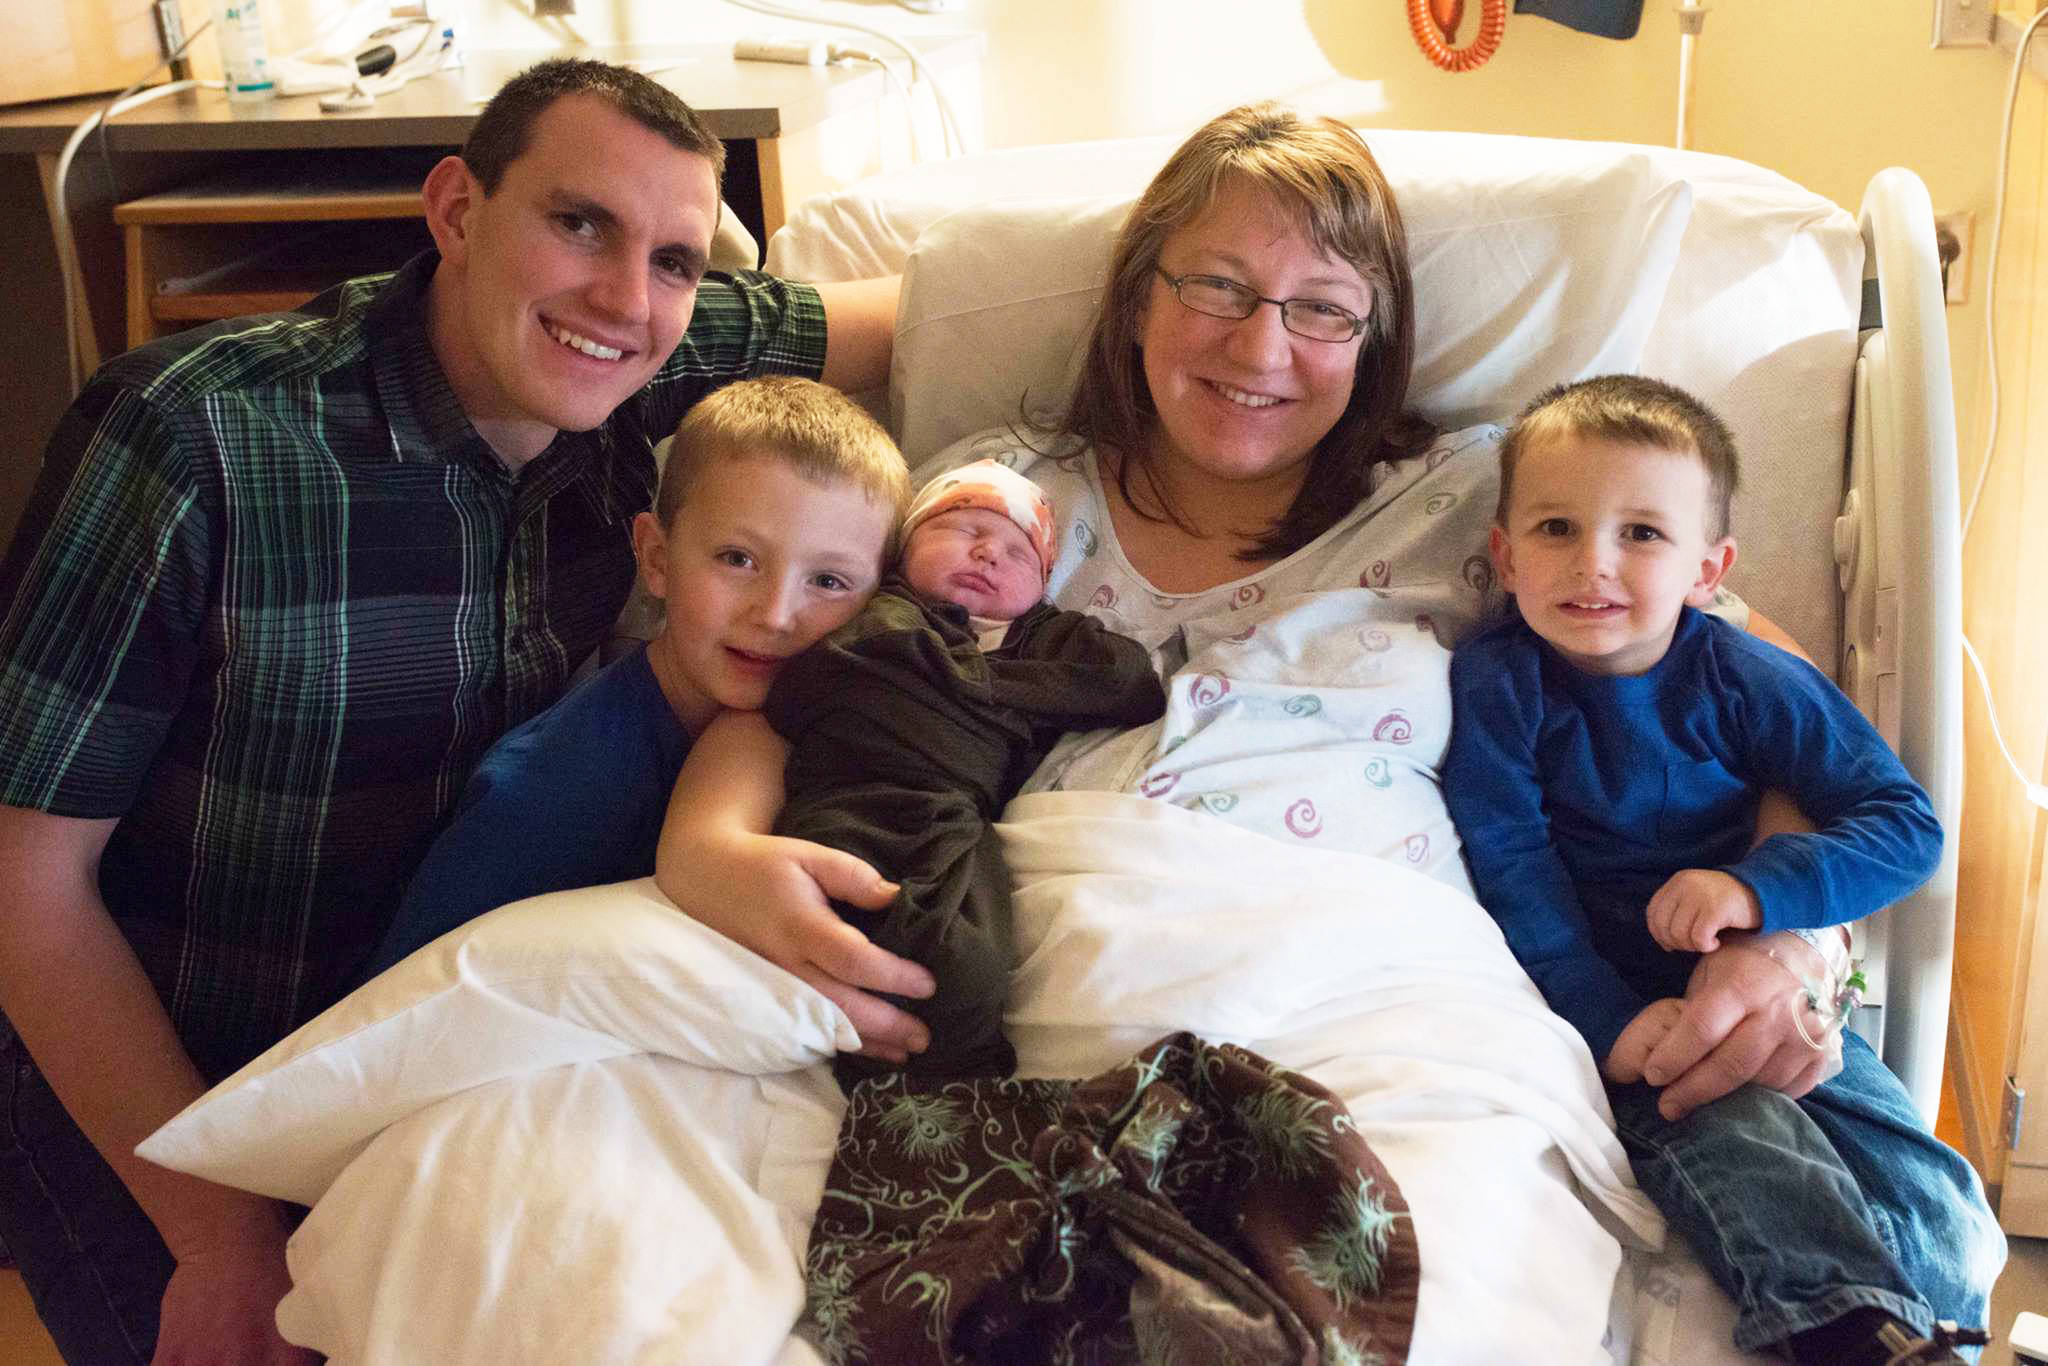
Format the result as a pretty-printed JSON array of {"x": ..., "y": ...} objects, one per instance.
[
  {"x": 1576, "y": 796},
  {"x": 575, "y": 797}
]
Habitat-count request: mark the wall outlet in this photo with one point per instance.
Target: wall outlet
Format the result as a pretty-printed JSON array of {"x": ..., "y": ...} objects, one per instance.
[
  {"x": 1959, "y": 229},
  {"x": 1964, "y": 23},
  {"x": 2029, "y": 1340}
]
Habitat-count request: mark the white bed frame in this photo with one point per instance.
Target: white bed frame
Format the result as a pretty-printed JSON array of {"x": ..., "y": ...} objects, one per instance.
[{"x": 1898, "y": 544}]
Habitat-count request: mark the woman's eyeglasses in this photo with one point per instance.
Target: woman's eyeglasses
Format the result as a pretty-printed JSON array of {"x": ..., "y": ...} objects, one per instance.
[{"x": 1221, "y": 297}]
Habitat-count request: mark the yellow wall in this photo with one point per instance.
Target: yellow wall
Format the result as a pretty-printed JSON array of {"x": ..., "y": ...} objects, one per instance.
[{"x": 2004, "y": 563}]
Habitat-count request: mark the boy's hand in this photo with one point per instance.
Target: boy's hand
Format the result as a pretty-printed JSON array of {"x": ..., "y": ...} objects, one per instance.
[
  {"x": 773, "y": 895},
  {"x": 1693, "y": 906},
  {"x": 1642, "y": 1034}
]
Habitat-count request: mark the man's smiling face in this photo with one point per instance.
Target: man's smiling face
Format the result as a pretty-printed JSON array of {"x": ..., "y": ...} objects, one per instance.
[{"x": 563, "y": 291}]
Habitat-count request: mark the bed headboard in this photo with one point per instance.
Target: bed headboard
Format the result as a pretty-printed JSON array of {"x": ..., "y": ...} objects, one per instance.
[{"x": 1540, "y": 260}]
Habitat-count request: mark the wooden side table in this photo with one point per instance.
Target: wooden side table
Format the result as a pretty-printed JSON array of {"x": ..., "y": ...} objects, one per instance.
[{"x": 254, "y": 244}]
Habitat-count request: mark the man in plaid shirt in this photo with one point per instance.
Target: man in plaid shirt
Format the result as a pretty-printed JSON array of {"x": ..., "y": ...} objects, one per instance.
[{"x": 282, "y": 582}]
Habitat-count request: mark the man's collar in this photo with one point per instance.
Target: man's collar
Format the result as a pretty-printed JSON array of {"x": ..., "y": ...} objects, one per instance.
[{"x": 427, "y": 423}]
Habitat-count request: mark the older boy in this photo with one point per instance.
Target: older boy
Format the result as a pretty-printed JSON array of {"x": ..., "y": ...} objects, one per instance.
[
  {"x": 900, "y": 736},
  {"x": 1608, "y": 749},
  {"x": 777, "y": 505},
  {"x": 282, "y": 583}
]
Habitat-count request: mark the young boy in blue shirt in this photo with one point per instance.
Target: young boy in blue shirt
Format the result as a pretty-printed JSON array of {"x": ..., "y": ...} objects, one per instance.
[
  {"x": 1609, "y": 746},
  {"x": 776, "y": 511}
]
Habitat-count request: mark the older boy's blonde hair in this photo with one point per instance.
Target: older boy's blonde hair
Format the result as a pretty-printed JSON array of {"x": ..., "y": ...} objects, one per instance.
[
  {"x": 813, "y": 428},
  {"x": 1633, "y": 409}
]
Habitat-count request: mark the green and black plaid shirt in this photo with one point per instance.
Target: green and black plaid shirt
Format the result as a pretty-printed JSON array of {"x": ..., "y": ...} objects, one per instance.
[{"x": 273, "y": 598}]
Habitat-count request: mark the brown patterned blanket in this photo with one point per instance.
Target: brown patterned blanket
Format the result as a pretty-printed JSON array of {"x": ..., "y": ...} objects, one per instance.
[{"x": 1196, "y": 1204}]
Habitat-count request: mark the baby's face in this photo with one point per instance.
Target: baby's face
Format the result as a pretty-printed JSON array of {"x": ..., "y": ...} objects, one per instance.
[
  {"x": 976, "y": 559},
  {"x": 1605, "y": 541}
]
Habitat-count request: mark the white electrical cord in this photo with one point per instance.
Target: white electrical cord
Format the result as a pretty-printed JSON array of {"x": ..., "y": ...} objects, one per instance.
[
  {"x": 1692, "y": 16},
  {"x": 835, "y": 52},
  {"x": 949, "y": 124},
  {"x": 60, "y": 213},
  {"x": 2037, "y": 793},
  {"x": 329, "y": 65},
  {"x": 60, "y": 210},
  {"x": 2012, "y": 92}
]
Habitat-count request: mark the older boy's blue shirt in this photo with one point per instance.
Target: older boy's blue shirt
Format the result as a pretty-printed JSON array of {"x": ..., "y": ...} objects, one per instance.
[
  {"x": 1576, "y": 796},
  {"x": 572, "y": 798}
]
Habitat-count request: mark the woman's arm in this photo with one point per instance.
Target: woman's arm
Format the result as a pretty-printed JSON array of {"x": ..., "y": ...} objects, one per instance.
[
  {"x": 1736, "y": 1026},
  {"x": 718, "y": 863},
  {"x": 1763, "y": 628}
]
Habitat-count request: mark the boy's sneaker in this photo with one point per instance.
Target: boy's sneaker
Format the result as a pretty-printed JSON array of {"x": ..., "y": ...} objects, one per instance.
[
  {"x": 1871, "y": 1337},
  {"x": 1895, "y": 1345}
]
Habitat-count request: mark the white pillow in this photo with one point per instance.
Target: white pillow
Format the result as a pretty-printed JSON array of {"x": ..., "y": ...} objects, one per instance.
[
  {"x": 1535, "y": 261},
  {"x": 571, "y": 977}
]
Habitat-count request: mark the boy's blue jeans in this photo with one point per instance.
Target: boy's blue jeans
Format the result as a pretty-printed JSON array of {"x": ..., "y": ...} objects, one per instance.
[{"x": 1804, "y": 1210}]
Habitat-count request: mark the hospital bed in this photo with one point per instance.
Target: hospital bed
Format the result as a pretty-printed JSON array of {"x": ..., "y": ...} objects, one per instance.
[{"x": 528, "y": 1144}]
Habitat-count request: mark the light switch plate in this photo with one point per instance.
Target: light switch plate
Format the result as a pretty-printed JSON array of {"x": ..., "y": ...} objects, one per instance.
[{"x": 1963, "y": 23}]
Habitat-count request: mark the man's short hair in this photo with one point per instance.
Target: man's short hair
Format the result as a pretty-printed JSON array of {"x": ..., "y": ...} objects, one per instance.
[
  {"x": 1637, "y": 411},
  {"x": 812, "y": 428},
  {"x": 505, "y": 127}
]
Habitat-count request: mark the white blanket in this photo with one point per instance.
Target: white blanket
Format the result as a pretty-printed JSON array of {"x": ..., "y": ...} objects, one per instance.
[
  {"x": 646, "y": 1208},
  {"x": 1396, "y": 992}
]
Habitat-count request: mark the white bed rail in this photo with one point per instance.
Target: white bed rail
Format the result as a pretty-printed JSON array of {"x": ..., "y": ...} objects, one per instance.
[{"x": 1898, "y": 544}]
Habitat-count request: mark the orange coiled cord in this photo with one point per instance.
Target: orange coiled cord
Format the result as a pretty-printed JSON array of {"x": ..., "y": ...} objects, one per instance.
[{"x": 1431, "y": 20}]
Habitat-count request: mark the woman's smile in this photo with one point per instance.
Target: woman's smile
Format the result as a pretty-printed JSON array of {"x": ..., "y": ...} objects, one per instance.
[{"x": 1242, "y": 397}]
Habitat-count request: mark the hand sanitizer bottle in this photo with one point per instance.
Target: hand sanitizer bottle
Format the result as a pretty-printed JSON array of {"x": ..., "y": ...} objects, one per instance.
[{"x": 244, "y": 57}]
